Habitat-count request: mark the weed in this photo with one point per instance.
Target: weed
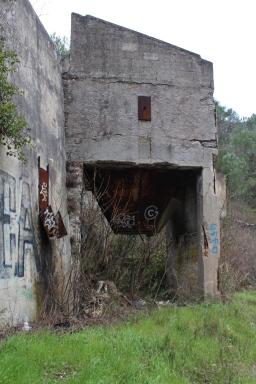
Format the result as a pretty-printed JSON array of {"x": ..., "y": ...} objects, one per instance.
[{"x": 200, "y": 344}]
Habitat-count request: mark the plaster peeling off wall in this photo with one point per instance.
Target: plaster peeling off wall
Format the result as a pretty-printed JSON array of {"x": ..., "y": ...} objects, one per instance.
[{"x": 17, "y": 249}]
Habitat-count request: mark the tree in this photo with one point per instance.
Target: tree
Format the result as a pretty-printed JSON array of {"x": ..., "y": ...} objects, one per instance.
[
  {"x": 61, "y": 44},
  {"x": 14, "y": 132},
  {"x": 227, "y": 121},
  {"x": 237, "y": 153}
]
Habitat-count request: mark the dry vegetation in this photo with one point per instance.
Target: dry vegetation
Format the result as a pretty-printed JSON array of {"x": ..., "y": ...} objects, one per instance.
[
  {"x": 114, "y": 275},
  {"x": 238, "y": 261},
  {"x": 110, "y": 273}
]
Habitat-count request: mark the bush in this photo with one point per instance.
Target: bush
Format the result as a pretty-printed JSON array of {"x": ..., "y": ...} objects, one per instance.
[{"x": 13, "y": 128}]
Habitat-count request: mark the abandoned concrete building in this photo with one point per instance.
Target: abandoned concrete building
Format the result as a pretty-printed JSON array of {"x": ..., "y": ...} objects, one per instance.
[{"x": 125, "y": 113}]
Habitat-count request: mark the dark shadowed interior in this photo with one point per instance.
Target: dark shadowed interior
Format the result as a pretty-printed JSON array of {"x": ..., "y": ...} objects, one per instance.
[{"x": 140, "y": 200}]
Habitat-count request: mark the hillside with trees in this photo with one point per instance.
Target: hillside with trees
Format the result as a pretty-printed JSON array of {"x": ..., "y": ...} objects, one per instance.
[
  {"x": 237, "y": 160},
  {"x": 237, "y": 153}
]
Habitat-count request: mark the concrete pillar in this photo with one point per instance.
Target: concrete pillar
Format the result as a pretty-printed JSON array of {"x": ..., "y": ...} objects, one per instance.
[
  {"x": 209, "y": 229},
  {"x": 182, "y": 240},
  {"x": 193, "y": 238},
  {"x": 75, "y": 185}
]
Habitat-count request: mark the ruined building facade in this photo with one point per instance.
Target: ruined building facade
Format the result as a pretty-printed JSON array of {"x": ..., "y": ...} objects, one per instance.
[{"x": 123, "y": 109}]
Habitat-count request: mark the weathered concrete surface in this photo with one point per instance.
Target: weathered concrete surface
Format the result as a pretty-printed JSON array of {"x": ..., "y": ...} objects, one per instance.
[
  {"x": 194, "y": 239},
  {"x": 109, "y": 67},
  {"x": 25, "y": 255},
  {"x": 210, "y": 233},
  {"x": 221, "y": 190},
  {"x": 75, "y": 184}
]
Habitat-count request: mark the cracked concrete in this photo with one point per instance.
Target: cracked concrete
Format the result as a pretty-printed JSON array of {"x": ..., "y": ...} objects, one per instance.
[
  {"x": 206, "y": 143},
  {"x": 23, "y": 244},
  {"x": 109, "y": 67}
]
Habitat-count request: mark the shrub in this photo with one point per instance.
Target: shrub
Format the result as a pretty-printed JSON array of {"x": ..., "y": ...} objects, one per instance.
[{"x": 13, "y": 127}]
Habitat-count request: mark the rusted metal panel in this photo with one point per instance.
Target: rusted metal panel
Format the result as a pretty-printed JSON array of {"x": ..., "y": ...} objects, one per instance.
[
  {"x": 61, "y": 229},
  {"x": 49, "y": 222},
  {"x": 43, "y": 189},
  {"x": 53, "y": 224},
  {"x": 144, "y": 108}
]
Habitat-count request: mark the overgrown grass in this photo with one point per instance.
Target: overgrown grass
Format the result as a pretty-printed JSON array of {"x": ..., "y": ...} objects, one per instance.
[{"x": 207, "y": 343}]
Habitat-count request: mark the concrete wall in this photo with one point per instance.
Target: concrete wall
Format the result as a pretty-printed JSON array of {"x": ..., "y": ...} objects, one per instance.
[
  {"x": 110, "y": 67},
  {"x": 25, "y": 252}
]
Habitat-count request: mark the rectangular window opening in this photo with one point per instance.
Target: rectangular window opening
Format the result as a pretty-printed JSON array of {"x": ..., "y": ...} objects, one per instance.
[{"x": 144, "y": 108}]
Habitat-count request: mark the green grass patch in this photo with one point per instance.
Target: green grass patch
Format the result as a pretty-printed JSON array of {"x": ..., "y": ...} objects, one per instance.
[{"x": 207, "y": 343}]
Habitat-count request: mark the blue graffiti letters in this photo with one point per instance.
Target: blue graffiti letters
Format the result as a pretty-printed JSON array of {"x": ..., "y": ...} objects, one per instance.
[{"x": 214, "y": 239}]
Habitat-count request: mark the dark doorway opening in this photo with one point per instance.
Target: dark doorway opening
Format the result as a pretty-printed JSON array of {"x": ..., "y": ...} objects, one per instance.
[
  {"x": 139, "y": 200},
  {"x": 140, "y": 229}
]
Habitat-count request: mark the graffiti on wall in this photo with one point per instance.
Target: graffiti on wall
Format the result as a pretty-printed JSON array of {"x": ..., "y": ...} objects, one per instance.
[
  {"x": 16, "y": 231},
  {"x": 124, "y": 220},
  {"x": 49, "y": 221},
  {"x": 151, "y": 212},
  {"x": 44, "y": 192},
  {"x": 214, "y": 239},
  {"x": 53, "y": 224},
  {"x": 43, "y": 189}
]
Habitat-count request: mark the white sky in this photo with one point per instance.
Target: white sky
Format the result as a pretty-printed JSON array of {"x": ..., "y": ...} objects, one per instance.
[{"x": 222, "y": 31}]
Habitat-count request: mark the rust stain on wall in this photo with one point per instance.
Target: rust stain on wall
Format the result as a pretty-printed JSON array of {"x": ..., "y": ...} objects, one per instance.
[{"x": 206, "y": 243}]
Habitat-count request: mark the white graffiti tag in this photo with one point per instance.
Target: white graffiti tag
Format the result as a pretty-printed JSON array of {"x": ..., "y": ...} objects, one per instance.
[
  {"x": 44, "y": 192},
  {"x": 124, "y": 220},
  {"x": 151, "y": 212},
  {"x": 49, "y": 220}
]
